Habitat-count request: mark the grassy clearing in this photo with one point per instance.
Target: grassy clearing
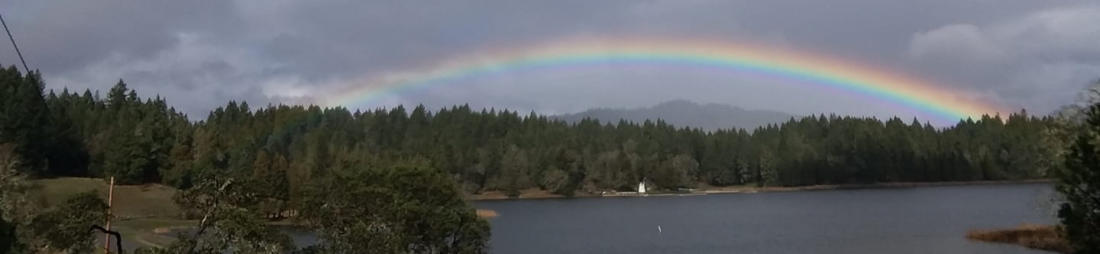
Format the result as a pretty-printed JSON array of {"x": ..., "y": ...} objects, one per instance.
[
  {"x": 130, "y": 201},
  {"x": 1032, "y": 236},
  {"x": 142, "y": 212},
  {"x": 150, "y": 232}
]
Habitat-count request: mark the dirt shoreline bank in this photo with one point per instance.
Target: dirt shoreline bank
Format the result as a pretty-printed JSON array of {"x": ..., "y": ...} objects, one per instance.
[
  {"x": 709, "y": 190},
  {"x": 1040, "y": 237}
]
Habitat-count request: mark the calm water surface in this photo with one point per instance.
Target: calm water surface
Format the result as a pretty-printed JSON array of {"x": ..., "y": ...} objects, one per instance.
[{"x": 911, "y": 220}]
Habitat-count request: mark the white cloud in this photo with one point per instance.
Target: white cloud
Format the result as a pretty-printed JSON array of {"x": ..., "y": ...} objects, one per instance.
[
  {"x": 1036, "y": 61},
  {"x": 287, "y": 87},
  {"x": 959, "y": 42}
]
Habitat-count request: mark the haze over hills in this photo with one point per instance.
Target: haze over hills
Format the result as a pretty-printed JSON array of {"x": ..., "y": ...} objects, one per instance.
[{"x": 709, "y": 116}]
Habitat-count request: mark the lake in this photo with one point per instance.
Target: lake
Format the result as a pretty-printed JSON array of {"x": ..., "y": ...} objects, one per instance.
[{"x": 907, "y": 220}]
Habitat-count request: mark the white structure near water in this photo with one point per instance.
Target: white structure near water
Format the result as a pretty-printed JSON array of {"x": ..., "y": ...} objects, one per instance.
[{"x": 641, "y": 187}]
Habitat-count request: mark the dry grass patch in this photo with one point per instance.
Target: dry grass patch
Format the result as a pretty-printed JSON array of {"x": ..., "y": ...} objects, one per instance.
[
  {"x": 486, "y": 213},
  {"x": 1040, "y": 237},
  {"x": 130, "y": 201},
  {"x": 141, "y": 212}
]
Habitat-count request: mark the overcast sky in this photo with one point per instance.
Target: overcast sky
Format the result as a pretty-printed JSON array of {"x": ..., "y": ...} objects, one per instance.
[{"x": 199, "y": 54}]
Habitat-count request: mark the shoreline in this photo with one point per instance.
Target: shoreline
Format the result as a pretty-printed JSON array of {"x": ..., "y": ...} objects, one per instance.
[
  {"x": 1039, "y": 237},
  {"x": 532, "y": 194}
]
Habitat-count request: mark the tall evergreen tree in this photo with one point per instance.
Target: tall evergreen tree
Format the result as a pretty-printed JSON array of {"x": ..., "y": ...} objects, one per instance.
[
  {"x": 1079, "y": 184},
  {"x": 25, "y": 118}
]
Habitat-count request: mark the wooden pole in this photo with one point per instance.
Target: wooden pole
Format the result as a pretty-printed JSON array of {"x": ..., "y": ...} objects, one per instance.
[{"x": 110, "y": 197}]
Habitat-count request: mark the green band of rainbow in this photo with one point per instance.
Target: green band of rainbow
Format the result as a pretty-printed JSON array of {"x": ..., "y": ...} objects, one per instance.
[{"x": 827, "y": 72}]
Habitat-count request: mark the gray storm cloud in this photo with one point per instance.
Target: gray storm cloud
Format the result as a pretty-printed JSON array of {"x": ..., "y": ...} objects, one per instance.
[{"x": 199, "y": 54}]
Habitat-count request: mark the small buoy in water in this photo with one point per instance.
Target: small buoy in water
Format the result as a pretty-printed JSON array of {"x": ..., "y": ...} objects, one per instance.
[{"x": 658, "y": 228}]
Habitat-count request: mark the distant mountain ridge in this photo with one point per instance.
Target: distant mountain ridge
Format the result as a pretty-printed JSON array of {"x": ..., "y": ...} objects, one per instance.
[{"x": 680, "y": 113}]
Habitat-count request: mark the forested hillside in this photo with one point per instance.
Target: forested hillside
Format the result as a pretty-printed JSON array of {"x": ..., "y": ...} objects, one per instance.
[
  {"x": 237, "y": 170},
  {"x": 684, "y": 113},
  {"x": 140, "y": 141}
]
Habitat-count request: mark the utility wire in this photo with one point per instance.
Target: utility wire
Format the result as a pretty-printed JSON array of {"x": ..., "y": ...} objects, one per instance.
[{"x": 15, "y": 45}]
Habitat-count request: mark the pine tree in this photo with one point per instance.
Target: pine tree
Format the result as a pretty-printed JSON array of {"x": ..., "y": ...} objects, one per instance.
[
  {"x": 24, "y": 118},
  {"x": 1079, "y": 184}
]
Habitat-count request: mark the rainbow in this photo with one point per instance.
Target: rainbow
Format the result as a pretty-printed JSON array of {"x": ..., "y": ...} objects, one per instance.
[{"x": 827, "y": 72}]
